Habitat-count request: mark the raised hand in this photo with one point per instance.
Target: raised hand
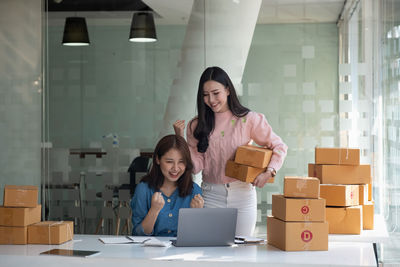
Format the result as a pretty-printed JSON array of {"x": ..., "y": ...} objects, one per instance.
[
  {"x": 157, "y": 201},
  {"x": 197, "y": 202},
  {"x": 179, "y": 127}
]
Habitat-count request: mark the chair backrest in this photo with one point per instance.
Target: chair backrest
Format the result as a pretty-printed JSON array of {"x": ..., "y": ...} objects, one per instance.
[{"x": 139, "y": 164}]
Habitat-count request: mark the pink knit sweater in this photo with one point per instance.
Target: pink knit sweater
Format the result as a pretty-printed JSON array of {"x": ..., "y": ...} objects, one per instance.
[{"x": 229, "y": 133}]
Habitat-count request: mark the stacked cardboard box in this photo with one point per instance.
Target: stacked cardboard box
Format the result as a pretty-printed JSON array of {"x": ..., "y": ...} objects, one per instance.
[
  {"x": 298, "y": 217},
  {"x": 344, "y": 185},
  {"x": 20, "y": 219},
  {"x": 250, "y": 161},
  {"x": 50, "y": 232},
  {"x": 19, "y": 211}
]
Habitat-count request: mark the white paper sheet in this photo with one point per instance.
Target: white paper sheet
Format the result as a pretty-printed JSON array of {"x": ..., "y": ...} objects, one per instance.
[
  {"x": 154, "y": 242},
  {"x": 116, "y": 240},
  {"x": 248, "y": 239}
]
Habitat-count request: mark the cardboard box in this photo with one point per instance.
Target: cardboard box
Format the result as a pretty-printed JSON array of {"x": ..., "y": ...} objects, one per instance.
[
  {"x": 306, "y": 187},
  {"x": 370, "y": 192},
  {"x": 345, "y": 220},
  {"x": 340, "y": 174},
  {"x": 19, "y": 216},
  {"x": 368, "y": 216},
  {"x": 297, "y": 236},
  {"x": 243, "y": 173},
  {"x": 20, "y": 196},
  {"x": 254, "y": 156},
  {"x": 298, "y": 209},
  {"x": 363, "y": 194},
  {"x": 10, "y": 235},
  {"x": 337, "y": 156},
  {"x": 50, "y": 232},
  {"x": 340, "y": 195}
]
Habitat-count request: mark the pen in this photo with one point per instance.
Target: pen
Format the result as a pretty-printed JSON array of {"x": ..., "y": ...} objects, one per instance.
[
  {"x": 146, "y": 240},
  {"x": 140, "y": 242}
]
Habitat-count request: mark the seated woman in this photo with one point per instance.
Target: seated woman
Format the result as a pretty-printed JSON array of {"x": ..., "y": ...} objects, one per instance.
[{"x": 165, "y": 189}]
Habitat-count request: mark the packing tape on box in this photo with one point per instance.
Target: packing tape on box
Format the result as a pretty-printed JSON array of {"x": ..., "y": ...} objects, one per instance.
[
  {"x": 300, "y": 184},
  {"x": 306, "y": 246},
  {"x": 307, "y": 215},
  {"x": 347, "y": 154},
  {"x": 306, "y": 236},
  {"x": 19, "y": 197},
  {"x": 340, "y": 154},
  {"x": 69, "y": 231}
]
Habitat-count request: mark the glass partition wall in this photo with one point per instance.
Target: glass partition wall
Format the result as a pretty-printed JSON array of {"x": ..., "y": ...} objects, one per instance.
[
  {"x": 388, "y": 101},
  {"x": 369, "y": 55},
  {"x": 20, "y": 92},
  {"x": 390, "y": 97},
  {"x": 108, "y": 103},
  {"x": 105, "y": 106}
]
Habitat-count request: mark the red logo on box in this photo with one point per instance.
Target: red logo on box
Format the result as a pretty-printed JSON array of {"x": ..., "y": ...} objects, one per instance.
[
  {"x": 351, "y": 195},
  {"x": 306, "y": 236},
  {"x": 305, "y": 209}
]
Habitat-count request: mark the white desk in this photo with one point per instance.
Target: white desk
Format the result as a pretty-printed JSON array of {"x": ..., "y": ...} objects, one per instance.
[
  {"x": 339, "y": 254},
  {"x": 378, "y": 235}
]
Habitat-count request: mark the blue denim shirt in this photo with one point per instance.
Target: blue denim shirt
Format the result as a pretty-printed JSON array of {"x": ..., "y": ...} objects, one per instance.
[{"x": 167, "y": 220}]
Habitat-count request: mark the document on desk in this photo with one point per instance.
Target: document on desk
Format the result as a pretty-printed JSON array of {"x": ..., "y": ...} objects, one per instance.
[
  {"x": 248, "y": 240},
  {"x": 124, "y": 239},
  {"x": 154, "y": 242}
]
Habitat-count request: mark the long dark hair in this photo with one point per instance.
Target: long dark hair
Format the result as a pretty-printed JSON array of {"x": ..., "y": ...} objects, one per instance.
[
  {"x": 155, "y": 177},
  {"x": 206, "y": 119}
]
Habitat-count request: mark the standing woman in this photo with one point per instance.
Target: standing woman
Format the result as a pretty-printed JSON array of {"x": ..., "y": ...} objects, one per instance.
[
  {"x": 222, "y": 125},
  {"x": 165, "y": 189}
]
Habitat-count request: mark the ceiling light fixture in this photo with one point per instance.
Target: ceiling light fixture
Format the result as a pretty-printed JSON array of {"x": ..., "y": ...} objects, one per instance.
[
  {"x": 143, "y": 28},
  {"x": 75, "y": 32}
]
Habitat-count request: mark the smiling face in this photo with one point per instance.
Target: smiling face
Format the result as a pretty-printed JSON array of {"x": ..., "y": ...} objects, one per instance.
[
  {"x": 215, "y": 96},
  {"x": 172, "y": 165}
]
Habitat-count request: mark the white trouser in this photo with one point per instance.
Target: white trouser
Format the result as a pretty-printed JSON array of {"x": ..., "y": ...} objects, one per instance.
[{"x": 240, "y": 195}]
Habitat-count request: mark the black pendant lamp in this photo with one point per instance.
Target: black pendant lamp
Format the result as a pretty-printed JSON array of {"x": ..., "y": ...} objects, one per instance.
[
  {"x": 143, "y": 28},
  {"x": 75, "y": 32}
]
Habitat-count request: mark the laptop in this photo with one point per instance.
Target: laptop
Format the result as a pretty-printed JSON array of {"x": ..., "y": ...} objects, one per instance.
[{"x": 207, "y": 227}]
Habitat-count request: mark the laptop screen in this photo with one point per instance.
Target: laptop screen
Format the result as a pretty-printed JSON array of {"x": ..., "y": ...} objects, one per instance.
[{"x": 206, "y": 227}]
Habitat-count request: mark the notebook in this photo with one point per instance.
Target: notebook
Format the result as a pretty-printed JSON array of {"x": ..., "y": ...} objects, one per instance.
[{"x": 206, "y": 227}]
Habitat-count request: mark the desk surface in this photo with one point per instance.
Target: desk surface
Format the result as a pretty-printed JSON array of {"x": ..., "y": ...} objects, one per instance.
[
  {"x": 339, "y": 254},
  {"x": 378, "y": 235}
]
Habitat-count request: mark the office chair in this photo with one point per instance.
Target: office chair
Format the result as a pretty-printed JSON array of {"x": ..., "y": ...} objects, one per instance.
[{"x": 139, "y": 164}]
